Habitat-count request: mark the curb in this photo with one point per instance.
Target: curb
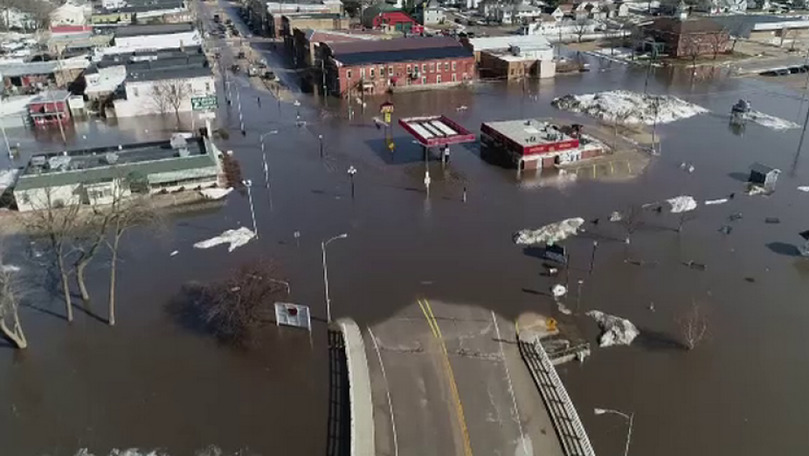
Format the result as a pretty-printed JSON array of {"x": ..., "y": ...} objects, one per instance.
[{"x": 359, "y": 390}]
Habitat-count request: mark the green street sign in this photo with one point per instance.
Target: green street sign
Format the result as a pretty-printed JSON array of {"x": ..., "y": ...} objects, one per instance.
[{"x": 208, "y": 103}]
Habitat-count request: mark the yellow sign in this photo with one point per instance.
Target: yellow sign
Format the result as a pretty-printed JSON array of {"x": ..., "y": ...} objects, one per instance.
[
  {"x": 391, "y": 145},
  {"x": 550, "y": 324},
  {"x": 386, "y": 117}
]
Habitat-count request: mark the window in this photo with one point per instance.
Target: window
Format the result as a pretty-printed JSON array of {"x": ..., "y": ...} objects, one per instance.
[
  {"x": 207, "y": 87},
  {"x": 362, "y": 73},
  {"x": 453, "y": 66},
  {"x": 381, "y": 71},
  {"x": 423, "y": 67},
  {"x": 446, "y": 66},
  {"x": 348, "y": 74},
  {"x": 408, "y": 69},
  {"x": 454, "y": 77},
  {"x": 424, "y": 80},
  {"x": 390, "y": 71},
  {"x": 438, "y": 79},
  {"x": 372, "y": 72},
  {"x": 432, "y": 68}
]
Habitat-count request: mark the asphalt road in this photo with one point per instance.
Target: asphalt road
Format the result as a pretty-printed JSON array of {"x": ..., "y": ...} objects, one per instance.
[{"x": 484, "y": 388}]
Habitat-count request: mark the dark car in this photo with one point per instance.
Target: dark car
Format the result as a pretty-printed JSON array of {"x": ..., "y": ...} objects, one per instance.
[{"x": 234, "y": 68}]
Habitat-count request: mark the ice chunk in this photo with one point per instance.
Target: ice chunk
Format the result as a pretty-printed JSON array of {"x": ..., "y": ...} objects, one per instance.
[
  {"x": 683, "y": 203},
  {"x": 804, "y": 188},
  {"x": 766, "y": 120},
  {"x": 716, "y": 201},
  {"x": 549, "y": 234},
  {"x": 236, "y": 238},
  {"x": 615, "y": 330},
  {"x": 629, "y": 107},
  {"x": 216, "y": 193}
]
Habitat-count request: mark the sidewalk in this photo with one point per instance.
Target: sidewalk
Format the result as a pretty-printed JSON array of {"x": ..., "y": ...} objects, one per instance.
[{"x": 359, "y": 380}]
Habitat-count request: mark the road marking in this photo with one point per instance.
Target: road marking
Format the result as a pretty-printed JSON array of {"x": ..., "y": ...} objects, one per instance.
[
  {"x": 453, "y": 386},
  {"x": 387, "y": 392},
  {"x": 510, "y": 385}
]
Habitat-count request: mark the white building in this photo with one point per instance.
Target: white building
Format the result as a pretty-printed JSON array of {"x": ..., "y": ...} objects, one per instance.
[
  {"x": 142, "y": 91},
  {"x": 70, "y": 14},
  {"x": 539, "y": 46},
  {"x": 132, "y": 38},
  {"x": 432, "y": 14}
]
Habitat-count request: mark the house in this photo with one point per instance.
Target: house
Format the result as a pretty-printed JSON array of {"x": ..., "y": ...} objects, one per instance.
[
  {"x": 50, "y": 108},
  {"x": 616, "y": 10},
  {"x": 431, "y": 13},
  {"x": 380, "y": 66},
  {"x": 96, "y": 176},
  {"x": 522, "y": 13},
  {"x": 554, "y": 11},
  {"x": 67, "y": 40},
  {"x": 688, "y": 37},
  {"x": 388, "y": 17},
  {"x": 165, "y": 87}
]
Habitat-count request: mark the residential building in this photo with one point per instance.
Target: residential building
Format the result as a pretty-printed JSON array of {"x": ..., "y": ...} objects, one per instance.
[
  {"x": 431, "y": 13},
  {"x": 534, "y": 143},
  {"x": 391, "y": 18},
  {"x": 136, "y": 11},
  {"x": 96, "y": 176},
  {"x": 688, "y": 37},
  {"x": 388, "y": 65},
  {"x": 50, "y": 108},
  {"x": 72, "y": 40},
  {"x": 184, "y": 79}
]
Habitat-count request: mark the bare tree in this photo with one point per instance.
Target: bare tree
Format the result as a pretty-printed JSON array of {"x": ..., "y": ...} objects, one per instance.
[
  {"x": 125, "y": 213},
  {"x": 87, "y": 242},
  {"x": 580, "y": 28},
  {"x": 631, "y": 219},
  {"x": 693, "y": 325},
  {"x": 692, "y": 47},
  {"x": 718, "y": 42},
  {"x": 9, "y": 308},
  {"x": 171, "y": 94},
  {"x": 233, "y": 309},
  {"x": 57, "y": 220},
  {"x": 620, "y": 119}
]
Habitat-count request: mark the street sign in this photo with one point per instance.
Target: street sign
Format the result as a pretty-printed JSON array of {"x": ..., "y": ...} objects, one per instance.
[
  {"x": 296, "y": 315},
  {"x": 208, "y": 103}
]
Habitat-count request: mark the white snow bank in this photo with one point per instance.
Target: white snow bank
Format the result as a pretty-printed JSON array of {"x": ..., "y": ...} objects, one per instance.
[
  {"x": 7, "y": 178},
  {"x": 716, "y": 201},
  {"x": 9, "y": 268},
  {"x": 766, "y": 120},
  {"x": 629, "y": 107},
  {"x": 615, "y": 330},
  {"x": 804, "y": 188},
  {"x": 215, "y": 193},
  {"x": 549, "y": 234},
  {"x": 682, "y": 203},
  {"x": 236, "y": 238}
]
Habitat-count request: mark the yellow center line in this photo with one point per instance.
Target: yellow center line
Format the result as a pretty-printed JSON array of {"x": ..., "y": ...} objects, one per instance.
[{"x": 428, "y": 314}]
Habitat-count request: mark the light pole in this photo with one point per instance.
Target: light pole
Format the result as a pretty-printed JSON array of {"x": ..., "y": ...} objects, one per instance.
[
  {"x": 351, "y": 172},
  {"x": 326, "y": 273},
  {"x": 593, "y": 257},
  {"x": 320, "y": 139},
  {"x": 629, "y": 418},
  {"x": 248, "y": 183},
  {"x": 264, "y": 156}
]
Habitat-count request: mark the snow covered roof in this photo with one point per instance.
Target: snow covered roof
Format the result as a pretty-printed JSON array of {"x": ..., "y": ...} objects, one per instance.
[{"x": 505, "y": 42}]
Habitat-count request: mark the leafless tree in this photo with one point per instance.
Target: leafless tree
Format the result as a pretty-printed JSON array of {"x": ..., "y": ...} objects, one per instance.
[
  {"x": 620, "y": 119},
  {"x": 233, "y": 309},
  {"x": 9, "y": 297},
  {"x": 631, "y": 219},
  {"x": 170, "y": 95},
  {"x": 693, "y": 325},
  {"x": 87, "y": 241},
  {"x": 125, "y": 212},
  {"x": 580, "y": 28},
  {"x": 692, "y": 47},
  {"x": 718, "y": 42},
  {"x": 56, "y": 220}
]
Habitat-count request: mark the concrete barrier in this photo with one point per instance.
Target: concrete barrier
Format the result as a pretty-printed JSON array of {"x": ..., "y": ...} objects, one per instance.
[{"x": 359, "y": 390}]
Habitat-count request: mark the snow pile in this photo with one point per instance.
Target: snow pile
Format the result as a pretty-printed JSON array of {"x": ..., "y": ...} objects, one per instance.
[
  {"x": 7, "y": 178},
  {"x": 766, "y": 120},
  {"x": 629, "y": 107},
  {"x": 804, "y": 188},
  {"x": 615, "y": 330},
  {"x": 236, "y": 239},
  {"x": 216, "y": 193},
  {"x": 9, "y": 268},
  {"x": 549, "y": 234},
  {"x": 683, "y": 203}
]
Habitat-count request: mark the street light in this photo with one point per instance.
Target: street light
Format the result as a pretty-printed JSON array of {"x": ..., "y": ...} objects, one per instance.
[
  {"x": 320, "y": 138},
  {"x": 248, "y": 183},
  {"x": 264, "y": 156},
  {"x": 351, "y": 172},
  {"x": 326, "y": 273},
  {"x": 629, "y": 418}
]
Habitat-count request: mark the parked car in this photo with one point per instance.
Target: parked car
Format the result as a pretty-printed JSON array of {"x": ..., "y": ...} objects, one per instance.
[
  {"x": 235, "y": 68},
  {"x": 216, "y": 18},
  {"x": 240, "y": 55},
  {"x": 269, "y": 75}
]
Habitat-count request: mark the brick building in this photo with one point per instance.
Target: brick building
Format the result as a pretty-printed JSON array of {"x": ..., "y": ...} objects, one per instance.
[
  {"x": 689, "y": 37},
  {"x": 50, "y": 108},
  {"x": 380, "y": 66}
]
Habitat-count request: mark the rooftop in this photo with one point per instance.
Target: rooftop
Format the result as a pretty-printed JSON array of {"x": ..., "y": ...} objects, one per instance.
[
  {"x": 529, "y": 132},
  {"x": 168, "y": 73},
  {"x": 695, "y": 25},
  {"x": 340, "y": 36},
  {"x": 106, "y": 163},
  {"x": 157, "y": 29},
  {"x": 505, "y": 42},
  {"x": 50, "y": 96}
]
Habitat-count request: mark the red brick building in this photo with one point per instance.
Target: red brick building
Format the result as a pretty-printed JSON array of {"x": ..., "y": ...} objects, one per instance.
[
  {"x": 380, "y": 66},
  {"x": 689, "y": 37},
  {"x": 50, "y": 108}
]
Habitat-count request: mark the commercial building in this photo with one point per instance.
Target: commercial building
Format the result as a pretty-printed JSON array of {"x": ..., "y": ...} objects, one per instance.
[
  {"x": 537, "y": 43},
  {"x": 28, "y": 77},
  {"x": 132, "y": 38},
  {"x": 533, "y": 143},
  {"x": 49, "y": 108},
  {"x": 685, "y": 37},
  {"x": 381, "y": 66},
  {"x": 161, "y": 88},
  {"x": 513, "y": 57},
  {"x": 265, "y": 18},
  {"x": 322, "y": 21},
  {"x": 96, "y": 176}
]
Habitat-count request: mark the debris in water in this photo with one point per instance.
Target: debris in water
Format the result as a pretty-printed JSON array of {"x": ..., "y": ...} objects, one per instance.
[
  {"x": 236, "y": 238},
  {"x": 652, "y": 306},
  {"x": 749, "y": 279},
  {"x": 725, "y": 229},
  {"x": 682, "y": 203},
  {"x": 772, "y": 220},
  {"x": 735, "y": 216},
  {"x": 558, "y": 291},
  {"x": 754, "y": 190},
  {"x": 174, "y": 253},
  {"x": 616, "y": 216},
  {"x": 215, "y": 193},
  {"x": 615, "y": 330},
  {"x": 716, "y": 201},
  {"x": 804, "y": 188},
  {"x": 694, "y": 265},
  {"x": 549, "y": 234}
]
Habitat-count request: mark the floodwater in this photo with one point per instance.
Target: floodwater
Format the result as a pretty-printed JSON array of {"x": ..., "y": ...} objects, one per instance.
[{"x": 152, "y": 382}]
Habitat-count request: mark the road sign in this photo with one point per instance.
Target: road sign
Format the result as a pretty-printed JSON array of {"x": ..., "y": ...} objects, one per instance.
[
  {"x": 208, "y": 103},
  {"x": 296, "y": 315}
]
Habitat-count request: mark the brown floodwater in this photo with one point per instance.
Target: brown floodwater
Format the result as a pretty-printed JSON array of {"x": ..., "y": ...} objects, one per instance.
[{"x": 153, "y": 382}]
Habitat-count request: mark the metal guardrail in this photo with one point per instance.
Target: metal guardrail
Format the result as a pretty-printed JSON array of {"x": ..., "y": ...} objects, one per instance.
[{"x": 569, "y": 428}]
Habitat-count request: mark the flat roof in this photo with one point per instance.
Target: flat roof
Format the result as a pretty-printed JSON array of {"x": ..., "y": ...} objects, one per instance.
[
  {"x": 156, "y": 29},
  {"x": 436, "y": 130},
  {"x": 529, "y": 132},
  {"x": 405, "y": 55},
  {"x": 168, "y": 73},
  {"x": 91, "y": 165},
  {"x": 505, "y": 42}
]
